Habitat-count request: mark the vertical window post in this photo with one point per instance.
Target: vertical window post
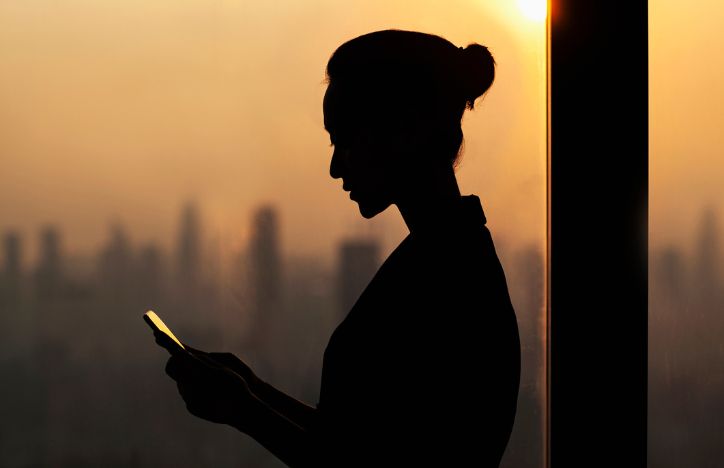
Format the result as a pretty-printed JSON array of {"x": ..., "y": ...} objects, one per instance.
[{"x": 598, "y": 228}]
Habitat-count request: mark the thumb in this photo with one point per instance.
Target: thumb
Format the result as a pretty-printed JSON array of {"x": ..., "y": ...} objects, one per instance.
[
  {"x": 193, "y": 350},
  {"x": 227, "y": 359}
]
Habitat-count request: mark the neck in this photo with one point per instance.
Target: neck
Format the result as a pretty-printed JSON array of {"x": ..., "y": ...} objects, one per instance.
[{"x": 430, "y": 201}]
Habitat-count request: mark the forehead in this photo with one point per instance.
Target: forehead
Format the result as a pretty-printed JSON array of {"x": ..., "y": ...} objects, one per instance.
[
  {"x": 332, "y": 108},
  {"x": 327, "y": 110},
  {"x": 351, "y": 108}
]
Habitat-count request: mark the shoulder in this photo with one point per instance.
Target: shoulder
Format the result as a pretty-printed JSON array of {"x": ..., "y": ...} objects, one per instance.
[{"x": 464, "y": 256}]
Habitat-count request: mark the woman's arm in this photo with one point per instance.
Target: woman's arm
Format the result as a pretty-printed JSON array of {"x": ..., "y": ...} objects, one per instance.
[
  {"x": 216, "y": 393},
  {"x": 292, "y": 444},
  {"x": 292, "y": 409}
]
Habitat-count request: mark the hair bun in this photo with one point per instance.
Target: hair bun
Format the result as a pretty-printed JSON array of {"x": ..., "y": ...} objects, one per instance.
[{"x": 477, "y": 72}]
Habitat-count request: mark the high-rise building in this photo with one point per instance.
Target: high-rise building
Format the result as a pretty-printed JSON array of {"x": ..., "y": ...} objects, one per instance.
[
  {"x": 150, "y": 275},
  {"x": 115, "y": 264},
  {"x": 529, "y": 288},
  {"x": 707, "y": 274},
  {"x": 265, "y": 272},
  {"x": 706, "y": 299},
  {"x": 49, "y": 271},
  {"x": 525, "y": 277},
  {"x": 358, "y": 262},
  {"x": 12, "y": 268},
  {"x": 668, "y": 276},
  {"x": 526, "y": 284},
  {"x": 189, "y": 252}
]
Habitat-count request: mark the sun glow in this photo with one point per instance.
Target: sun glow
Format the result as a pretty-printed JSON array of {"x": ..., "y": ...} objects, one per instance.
[{"x": 535, "y": 10}]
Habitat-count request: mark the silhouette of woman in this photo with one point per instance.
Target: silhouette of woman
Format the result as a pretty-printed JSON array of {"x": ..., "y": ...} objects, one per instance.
[{"x": 424, "y": 370}]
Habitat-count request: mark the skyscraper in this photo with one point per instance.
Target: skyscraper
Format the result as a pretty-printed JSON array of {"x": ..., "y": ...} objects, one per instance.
[
  {"x": 265, "y": 272},
  {"x": 668, "y": 276},
  {"x": 708, "y": 257},
  {"x": 188, "y": 253},
  {"x": 115, "y": 264},
  {"x": 49, "y": 272},
  {"x": 12, "y": 268},
  {"x": 706, "y": 298},
  {"x": 150, "y": 275}
]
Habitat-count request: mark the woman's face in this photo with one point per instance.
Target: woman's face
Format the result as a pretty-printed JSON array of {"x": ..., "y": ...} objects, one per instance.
[{"x": 361, "y": 157}]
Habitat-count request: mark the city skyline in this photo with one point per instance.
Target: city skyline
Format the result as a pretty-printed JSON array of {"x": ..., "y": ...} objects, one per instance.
[{"x": 277, "y": 312}]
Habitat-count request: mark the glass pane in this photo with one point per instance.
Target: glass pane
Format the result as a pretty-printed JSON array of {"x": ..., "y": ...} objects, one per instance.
[
  {"x": 172, "y": 156},
  {"x": 686, "y": 330}
]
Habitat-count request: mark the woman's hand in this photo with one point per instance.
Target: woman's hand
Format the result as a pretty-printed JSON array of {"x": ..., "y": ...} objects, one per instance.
[
  {"x": 212, "y": 391},
  {"x": 233, "y": 363}
]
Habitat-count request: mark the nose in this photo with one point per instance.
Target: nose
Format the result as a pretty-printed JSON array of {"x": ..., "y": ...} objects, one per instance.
[{"x": 336, "y": 165}]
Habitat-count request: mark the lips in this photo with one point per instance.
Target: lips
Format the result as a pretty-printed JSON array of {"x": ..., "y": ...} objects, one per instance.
[{"x": 347, "y": 188}]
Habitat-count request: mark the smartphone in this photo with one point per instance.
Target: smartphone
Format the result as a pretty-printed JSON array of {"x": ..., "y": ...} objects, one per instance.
[{"x": 156, "y": 324}]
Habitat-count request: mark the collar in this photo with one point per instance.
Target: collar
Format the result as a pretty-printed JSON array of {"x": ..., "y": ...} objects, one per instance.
[
  {"x": 473, "y": 209},
  {"x": 467, "y": 216}
]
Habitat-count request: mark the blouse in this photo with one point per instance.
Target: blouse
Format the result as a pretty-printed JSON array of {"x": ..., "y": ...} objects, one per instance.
[{"x": 425, "y": 368}]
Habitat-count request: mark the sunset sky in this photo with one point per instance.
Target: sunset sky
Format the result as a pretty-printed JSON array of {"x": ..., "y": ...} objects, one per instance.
[
  {"x": 686, "y": 164},
  {"x": 121, "y": 111}
]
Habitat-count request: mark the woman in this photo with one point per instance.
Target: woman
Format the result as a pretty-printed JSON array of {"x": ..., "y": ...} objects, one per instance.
[{"x": 425, "y": 368}]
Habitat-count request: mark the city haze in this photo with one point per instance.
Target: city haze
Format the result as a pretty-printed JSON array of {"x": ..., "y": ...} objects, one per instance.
[
  {"x": 123, "y": 111},
  {"x": 170, "y": 155}
]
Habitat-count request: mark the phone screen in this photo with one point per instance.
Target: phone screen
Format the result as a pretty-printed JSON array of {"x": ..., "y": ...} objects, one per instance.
[{"x": 157, "y": 324}]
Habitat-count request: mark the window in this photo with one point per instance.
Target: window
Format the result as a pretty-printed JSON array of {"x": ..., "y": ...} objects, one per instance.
[
  {"x": 685, "y": 258},
  {"x": 171, "y": 156}
]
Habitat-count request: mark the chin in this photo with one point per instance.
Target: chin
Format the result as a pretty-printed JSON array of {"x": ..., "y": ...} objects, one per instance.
[{"x": 370, "y": 210}]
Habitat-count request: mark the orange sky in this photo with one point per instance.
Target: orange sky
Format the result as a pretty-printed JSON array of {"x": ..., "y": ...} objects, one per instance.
[
  {"x": 686, "y": 69},
  {"x": 122, "y": 110}
]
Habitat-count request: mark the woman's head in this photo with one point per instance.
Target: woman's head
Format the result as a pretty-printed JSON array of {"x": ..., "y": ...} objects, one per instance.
[{"x": 393, "y": 108}]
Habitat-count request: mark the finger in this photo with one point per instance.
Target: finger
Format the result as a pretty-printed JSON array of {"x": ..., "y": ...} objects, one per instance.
[
  {"x": 186, "y": 390},
  {"x": 193, "y": 350},
  {"x": 166, "y": 342},
  {"x": 172, "y": 367},
  {"x": 190, "y": 397},
  {"x": 183, "y": 366},
  {"x": 204, "y": 358},
  {"x": 232, "y": 362},
  {"x": 194, "y": 392},
  {"x": 226, "y": 359}
]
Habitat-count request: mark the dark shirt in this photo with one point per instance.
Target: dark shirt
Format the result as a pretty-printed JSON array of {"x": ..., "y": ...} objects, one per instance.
[{"x": 425, "y": 368}]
